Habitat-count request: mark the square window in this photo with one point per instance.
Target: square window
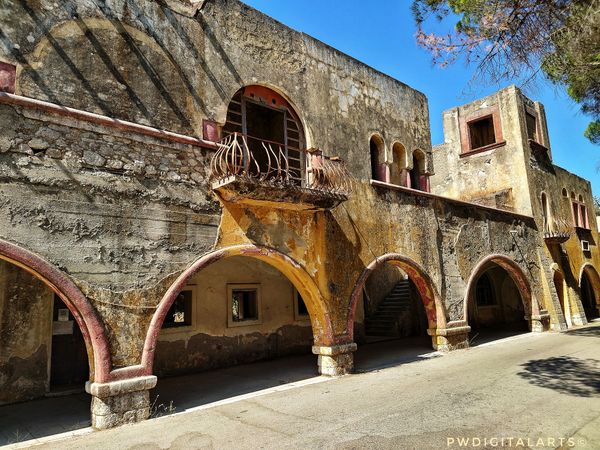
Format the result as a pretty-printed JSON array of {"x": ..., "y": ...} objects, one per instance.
[
  {"x": 180, "y": 313},
  {"x": 531, "y": 126},
  {"x": 300, "y": 309},
  {"x": 481, "y": 132},
  {"x": 244, "y": 304}
]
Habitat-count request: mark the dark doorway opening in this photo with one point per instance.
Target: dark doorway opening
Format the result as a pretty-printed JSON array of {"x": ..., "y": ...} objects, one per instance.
[
  {"x": 588, "y": 298},
  {"x": 495, "y": 307},
  {"x": 69, "y": 369}
]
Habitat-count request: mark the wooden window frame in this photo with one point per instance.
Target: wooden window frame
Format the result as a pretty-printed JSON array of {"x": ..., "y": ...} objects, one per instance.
[
  {"x": 465, "y": 135},
  {"x": 245, "y": 323}
]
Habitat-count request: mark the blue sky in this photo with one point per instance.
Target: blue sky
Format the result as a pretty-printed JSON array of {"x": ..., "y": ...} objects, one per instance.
[{"x": 381, "y": 34}]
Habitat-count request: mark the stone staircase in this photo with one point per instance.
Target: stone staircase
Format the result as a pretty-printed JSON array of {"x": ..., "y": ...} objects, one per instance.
[{"x": 385, "y": 320}]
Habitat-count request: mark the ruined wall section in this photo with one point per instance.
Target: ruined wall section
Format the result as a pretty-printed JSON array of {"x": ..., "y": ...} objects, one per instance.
[
  {"x": 25, "y": 334},
  {"x": 447, "y": 239},
  {"x": 119, "y": 212},
  {"x": 486, "y": 177}
]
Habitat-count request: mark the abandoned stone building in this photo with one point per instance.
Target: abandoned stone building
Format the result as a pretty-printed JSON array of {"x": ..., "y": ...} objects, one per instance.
[{"x": 188, "y": 185}]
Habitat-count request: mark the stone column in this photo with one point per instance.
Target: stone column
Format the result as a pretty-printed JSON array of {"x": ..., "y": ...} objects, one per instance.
[
  {"x": 120, "y": 402},
  {"x": 335, "y": 360},
  {"x": 451, "y": 338}
]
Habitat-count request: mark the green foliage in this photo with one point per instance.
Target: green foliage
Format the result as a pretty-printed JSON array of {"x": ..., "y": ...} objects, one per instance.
[
  {"x": 593, "y": 132},
  {"x": 507, "y": 40}
]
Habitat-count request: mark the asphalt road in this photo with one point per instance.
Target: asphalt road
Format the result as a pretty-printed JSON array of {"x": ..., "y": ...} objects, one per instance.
[{"x": 532, "y": 391}]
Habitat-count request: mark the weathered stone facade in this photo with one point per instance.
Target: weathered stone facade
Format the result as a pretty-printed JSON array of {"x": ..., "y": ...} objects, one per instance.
[{"x": 109, "y": 197}]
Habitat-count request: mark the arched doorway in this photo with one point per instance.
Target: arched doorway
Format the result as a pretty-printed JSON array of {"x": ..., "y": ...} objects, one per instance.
[
  {"x": 393, "y": 301},
  {"x": 392, "y": 306},
  {"x": 270, "y": 130},
  {"x": 589, "y": 289},
  {"x": 42, "y": 356},
  {"x": 239, "y": 305},
  {"x": 496, "y": 306}
]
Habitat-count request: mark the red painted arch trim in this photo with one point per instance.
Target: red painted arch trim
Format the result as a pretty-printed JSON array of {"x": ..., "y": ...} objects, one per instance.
[
  {"x": 516, "y": 273},
  {"x": 265, "y": 254},
  {"x": 84, "y": 313},
  {"x": 436, "y": 313}
]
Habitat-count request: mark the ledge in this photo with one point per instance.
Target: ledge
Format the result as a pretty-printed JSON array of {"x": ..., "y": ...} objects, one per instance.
[
  {"x": 239, "y": 190},
  {"x": 334, "y": 349},
  {"x": 483, "y": 149},
  {"x": 85, "y": 116},
  {"x": 113, "y": 388},
  {"x": 537, "y": 146},
  {"x": 415, "y": 192}
]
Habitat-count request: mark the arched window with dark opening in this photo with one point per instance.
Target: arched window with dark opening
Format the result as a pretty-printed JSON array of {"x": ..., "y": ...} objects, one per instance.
[
  {"x": 399, "y": 173},
  {"x": 271, "y": 130},
  {"x": 418, "y": 177},
  {"x": 376, "y": 147}
]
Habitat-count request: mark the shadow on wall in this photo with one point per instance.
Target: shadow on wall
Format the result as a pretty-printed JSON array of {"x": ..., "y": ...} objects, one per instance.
[
  {"x": 148, "y": 86},
  {"x": 565, "y": 374}
]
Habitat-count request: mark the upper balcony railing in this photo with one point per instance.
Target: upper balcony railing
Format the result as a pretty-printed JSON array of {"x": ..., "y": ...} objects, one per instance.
[
  {"x": 250, "y": 160},
  {"x": 556, "y": 230}
]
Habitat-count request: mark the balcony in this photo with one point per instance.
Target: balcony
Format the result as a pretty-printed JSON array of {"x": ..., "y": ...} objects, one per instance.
[
  {"x": 258, "y": 172},
  {"x": 556, "y": 231}
]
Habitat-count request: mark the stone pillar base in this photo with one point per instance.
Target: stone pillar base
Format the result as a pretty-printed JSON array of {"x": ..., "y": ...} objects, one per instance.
[
  {"x": 539, "y": 323},
  {"x": 579, "y": 320},
  {"x": 451, "y": 338},
  {"x": 335, "y": 360},
  {"x": 120, "y": 402}
]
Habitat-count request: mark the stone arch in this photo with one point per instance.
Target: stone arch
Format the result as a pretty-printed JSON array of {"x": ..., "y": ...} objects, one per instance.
[
  {"x": 377, "y": 157},
  {"x": 594, "y": 279},
  {"x": 88, "y": 320},
  {"x": 291, "y": 269},
  {"x": 530, "y": 303},
  {"x": 436, "y": 312}
]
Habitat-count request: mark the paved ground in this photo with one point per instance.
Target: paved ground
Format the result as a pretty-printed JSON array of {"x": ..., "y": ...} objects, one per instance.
[{"x": 536, "y": 386}]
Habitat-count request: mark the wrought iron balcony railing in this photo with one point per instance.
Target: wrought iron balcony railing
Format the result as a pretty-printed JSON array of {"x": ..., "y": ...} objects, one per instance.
[
  {"x": 557, "y": 230},
  {"x": 269, "y": 163}
]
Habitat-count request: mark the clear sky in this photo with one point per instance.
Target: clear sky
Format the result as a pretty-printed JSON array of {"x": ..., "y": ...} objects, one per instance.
[{"x": 381, "y": 34}]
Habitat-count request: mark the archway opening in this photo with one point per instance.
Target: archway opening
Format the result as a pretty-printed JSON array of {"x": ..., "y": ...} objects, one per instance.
[
  {"x": 394, "y": 311},
  {"x": 238, "y": 326},
  {"x": 495, "y": 306},
  {"x": 42, "y": 356},
  {"x": 589, "y": 297}
]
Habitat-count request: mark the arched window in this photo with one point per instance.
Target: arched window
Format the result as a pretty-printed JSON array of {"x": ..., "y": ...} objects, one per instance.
[
  {"x": 545, "y": 213},
  {"x": 376, "y": 147},
  {"x": 565, "y": 193},
  {"x": 580, "y": 214},
  {"x": 266, "y": 119},
  {"x": 418, "y": 177},
  {"x": 399, "y": 173}
]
